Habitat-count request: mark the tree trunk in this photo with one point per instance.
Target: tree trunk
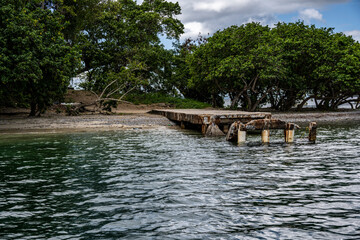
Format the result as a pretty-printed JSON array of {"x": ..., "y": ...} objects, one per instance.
[
  {"x": 256, "y": 104},
  {"x": 301, "y": 105},
  {"x": 235, "y": 101},
  {"x": 213, "y": 100},
  {"x": 249, "y": 102},
  {"x": 33, "y": 107}
]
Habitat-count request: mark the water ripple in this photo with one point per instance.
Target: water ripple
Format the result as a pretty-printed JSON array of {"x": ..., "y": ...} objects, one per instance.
[{"x": 174, "y": 184}]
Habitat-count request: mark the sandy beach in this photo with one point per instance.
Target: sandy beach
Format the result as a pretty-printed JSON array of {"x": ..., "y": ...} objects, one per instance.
[{"x": 83, "y": 123}]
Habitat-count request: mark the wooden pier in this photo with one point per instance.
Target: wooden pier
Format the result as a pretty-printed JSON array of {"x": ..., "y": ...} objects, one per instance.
[{"x": 233, "y": 124}]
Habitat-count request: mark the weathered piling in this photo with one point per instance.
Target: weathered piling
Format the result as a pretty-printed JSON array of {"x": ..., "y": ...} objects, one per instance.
[
  {"x": 265, "y": 136},
  {"x": 265, "y": 133},
  {"x": 238, "y": 130},
  {"x": 241, "y": 133},
  {"x": 204, "y": 128},
  {"x": 289, "y": 132},
  {"x": 312, "y": 132}
]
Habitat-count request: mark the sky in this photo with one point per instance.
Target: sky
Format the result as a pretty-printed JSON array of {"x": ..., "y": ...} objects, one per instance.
[{"x": 208, "y": 16}]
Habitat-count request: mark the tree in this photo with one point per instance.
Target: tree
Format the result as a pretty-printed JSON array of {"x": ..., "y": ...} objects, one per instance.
[
  {"x": 126, "y": 32},
  {"x": 36, "y": 62},
  {"x": 241, "y": 61},
  {"x": 337, "y": 73},
  {"x": 181, "y": 75}
]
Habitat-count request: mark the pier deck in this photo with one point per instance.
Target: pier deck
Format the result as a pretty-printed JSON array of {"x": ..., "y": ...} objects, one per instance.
[{"x": 203, "y": 117}]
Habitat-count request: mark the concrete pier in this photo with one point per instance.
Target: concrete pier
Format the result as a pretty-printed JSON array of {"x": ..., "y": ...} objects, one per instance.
[
  {"x": 233, "y": 124},
  {"x": 203, "y": 118}
]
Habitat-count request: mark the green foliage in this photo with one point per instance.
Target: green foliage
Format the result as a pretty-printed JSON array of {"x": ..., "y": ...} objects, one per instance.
[
  {"x": 283, "y": 66},
  {"x": 36, "y": 62},
  {"x": 125, "y": 33},
  {"x": 116, "y": 46},
  {"x": 177, "y": 102},
  {"x": 338, "y": 72},
  {"x": 41, "y": 42},
  {"x": 240, "y": 61},
  {"x": 181, "y": 75}
]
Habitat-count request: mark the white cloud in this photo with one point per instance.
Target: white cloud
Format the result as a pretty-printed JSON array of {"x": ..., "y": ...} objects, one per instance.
[
  {"x": 308, "y": 14},
  {"x": 208, "y": 16},
  {"x": 210, "y": 6},
  {"x": 193, "y": 29},
  {"x": 355, "y": 34}
]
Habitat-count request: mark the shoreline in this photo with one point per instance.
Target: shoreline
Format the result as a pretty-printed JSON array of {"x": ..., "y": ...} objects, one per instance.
[
  {"x": 339, "y": 117},
  {"x": 97, "y": 122},
  {"x": 82, "y": 123}
]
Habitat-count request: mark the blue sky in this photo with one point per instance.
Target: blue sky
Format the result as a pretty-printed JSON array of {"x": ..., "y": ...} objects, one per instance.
[
  {"x": 208, "y": 16},
  {"x": 344, "y": 17}
]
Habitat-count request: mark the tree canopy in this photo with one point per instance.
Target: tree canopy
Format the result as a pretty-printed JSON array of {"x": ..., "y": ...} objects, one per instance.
[
  {"x": 36, "y": 62},
  {"x": 284, "y": 66},
  {"x": 115, "y": 43},
  {"x": 116, "y": 46}
]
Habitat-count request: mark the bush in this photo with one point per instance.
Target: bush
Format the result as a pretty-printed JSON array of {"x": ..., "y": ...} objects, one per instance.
[{"x": 176, "y": 102}]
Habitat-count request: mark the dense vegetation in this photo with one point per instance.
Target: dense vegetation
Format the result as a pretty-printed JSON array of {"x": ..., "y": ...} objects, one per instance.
[
  {"x": 115, "y": 46},
  {"x": 284, "y": 66},
  {"x": 171, "y": 101}
]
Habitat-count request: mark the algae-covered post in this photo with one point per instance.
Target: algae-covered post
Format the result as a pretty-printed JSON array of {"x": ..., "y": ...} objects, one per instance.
[{"x": 312, "y": 132}]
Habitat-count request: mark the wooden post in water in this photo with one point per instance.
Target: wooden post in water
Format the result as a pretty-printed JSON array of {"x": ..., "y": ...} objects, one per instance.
[
  {"x": 312, "y": 132},
  {"x": 289, "y": 132},
  {"x": 204, "y": 128},
  {"x": 265, "y": 133},
  {"x": 182, "y": 125},
  {"x": 265, "y": 136},
  {"x": 241, "y": 133}
]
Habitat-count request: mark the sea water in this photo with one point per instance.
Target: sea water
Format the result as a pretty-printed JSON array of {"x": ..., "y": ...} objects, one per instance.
[{"x": 176, "y": 184}]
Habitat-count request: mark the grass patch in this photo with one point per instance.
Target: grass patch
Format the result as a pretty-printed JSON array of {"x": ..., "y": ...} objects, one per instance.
[{"x": 176, "y": 102}]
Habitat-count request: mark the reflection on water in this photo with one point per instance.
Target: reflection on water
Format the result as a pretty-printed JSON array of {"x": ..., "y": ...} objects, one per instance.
[{"x": 173, "y": 184}]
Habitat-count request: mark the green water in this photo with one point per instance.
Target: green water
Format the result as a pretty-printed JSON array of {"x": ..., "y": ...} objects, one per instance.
[{"x": 174, "y": 184}]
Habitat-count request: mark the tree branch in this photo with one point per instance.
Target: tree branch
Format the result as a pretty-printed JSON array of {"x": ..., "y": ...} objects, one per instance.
[{"x": 107, "y": 88}]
